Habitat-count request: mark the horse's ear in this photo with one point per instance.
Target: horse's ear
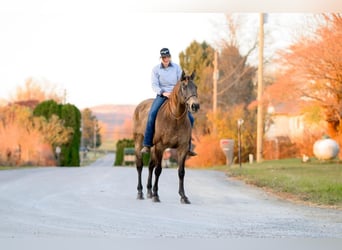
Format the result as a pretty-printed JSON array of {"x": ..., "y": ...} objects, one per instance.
[
  {"x": 192, "y": 77},
  {"x": 183, "y": 76}
]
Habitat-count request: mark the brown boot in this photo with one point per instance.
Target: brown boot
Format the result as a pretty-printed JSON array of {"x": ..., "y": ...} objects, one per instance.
[{"x": 145, "y": 150}]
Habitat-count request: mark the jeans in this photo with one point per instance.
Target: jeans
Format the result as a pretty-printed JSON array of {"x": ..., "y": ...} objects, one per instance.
[{"x": 149, "y": 132}]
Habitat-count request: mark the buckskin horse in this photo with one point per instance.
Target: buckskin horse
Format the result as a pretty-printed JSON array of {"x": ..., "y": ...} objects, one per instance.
[{"x": 172, "y": 130}]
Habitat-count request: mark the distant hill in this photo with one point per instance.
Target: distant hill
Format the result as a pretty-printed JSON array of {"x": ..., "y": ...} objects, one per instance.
[{"x": 112, "y": 114}]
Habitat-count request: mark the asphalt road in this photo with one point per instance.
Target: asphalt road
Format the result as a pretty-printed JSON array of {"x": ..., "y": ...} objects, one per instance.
[{"x": 99, "y": 201}]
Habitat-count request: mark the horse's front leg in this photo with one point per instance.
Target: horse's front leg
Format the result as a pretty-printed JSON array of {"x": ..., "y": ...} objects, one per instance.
[
  {"x": 157, "y": 157},
  {"x": 157, "y": 172},
  {"x": 181, "y": 174}
]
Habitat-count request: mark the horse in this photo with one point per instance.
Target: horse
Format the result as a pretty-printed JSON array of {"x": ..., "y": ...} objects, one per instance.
[{"x": 172, "y": 130}]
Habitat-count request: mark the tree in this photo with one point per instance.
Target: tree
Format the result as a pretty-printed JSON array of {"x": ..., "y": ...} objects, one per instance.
[
  {"x": 235, "y": 85},
  {"x": 29, "y": 139},
  {"x": 47, "y": 109},
  {"x": 90, "y": 126},
  {"x": 235, "y": 91},
  {"x": 37, "y": 89},
  {"x": 70, "y": 118},
  {"x": 53, "y": 130},
  {"x": 313, "y": 72},
  {"x": 199, "y": 57}
]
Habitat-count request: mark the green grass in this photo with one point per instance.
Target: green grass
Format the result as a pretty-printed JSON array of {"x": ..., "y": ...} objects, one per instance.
[
  {"x": 314, "y": 182},
  {"x": 15, "y": 167}
]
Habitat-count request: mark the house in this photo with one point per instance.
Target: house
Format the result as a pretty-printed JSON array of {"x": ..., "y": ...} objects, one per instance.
[
  {"x": 287, "y": 134},
  {"x": 284, "y": 119}
]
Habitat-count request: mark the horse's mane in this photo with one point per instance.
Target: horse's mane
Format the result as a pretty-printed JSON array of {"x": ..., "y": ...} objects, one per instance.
[
  {"x": 172, "y": 104},
  {"x": 173, "y": 99}
]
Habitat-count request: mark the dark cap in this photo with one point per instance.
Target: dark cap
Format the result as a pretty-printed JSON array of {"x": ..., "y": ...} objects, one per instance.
[{"x": 164, "y": 52}]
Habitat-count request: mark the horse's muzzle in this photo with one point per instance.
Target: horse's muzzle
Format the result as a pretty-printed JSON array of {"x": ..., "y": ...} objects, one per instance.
[{"x": 195, "y": 107}]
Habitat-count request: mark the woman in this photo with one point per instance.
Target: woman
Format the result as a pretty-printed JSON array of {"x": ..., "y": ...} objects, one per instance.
[{"x": 164, "y": 78}]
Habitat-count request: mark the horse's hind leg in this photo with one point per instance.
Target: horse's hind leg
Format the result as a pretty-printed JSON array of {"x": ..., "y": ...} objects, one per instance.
[
  {"x": 149, "y": 179},
  {"x": 139, "y": 164},
  {"x": 155, "y": 163}
]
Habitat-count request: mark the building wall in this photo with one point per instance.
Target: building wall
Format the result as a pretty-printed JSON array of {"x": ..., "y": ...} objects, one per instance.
[{"x": 284, "y": 125}]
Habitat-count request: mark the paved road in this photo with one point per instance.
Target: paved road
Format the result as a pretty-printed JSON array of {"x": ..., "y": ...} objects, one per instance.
[{"x": 99, "y": 202}]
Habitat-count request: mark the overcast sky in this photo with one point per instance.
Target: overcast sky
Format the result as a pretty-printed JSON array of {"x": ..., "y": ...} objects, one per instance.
[{"x": 97, "y": 51}]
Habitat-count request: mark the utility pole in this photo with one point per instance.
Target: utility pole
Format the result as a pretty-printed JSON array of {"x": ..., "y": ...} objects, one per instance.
[
  {"x": 215, "y": 78},
  {"x": 260, "y": 90}
]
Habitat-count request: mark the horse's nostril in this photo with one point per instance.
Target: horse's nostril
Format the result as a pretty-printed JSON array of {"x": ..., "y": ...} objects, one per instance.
[{"x": 195, "y": 107}]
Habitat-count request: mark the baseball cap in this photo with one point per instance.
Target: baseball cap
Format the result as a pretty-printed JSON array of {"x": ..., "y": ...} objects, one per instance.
[{"x": 164, "y": 52}]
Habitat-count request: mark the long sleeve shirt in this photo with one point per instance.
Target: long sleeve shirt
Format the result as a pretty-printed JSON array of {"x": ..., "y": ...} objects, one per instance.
[{"x": 164, "y": 79}]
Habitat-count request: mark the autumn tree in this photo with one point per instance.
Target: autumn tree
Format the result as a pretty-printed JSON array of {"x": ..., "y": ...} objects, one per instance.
[
  {"x": 26, "y": 139},
  {"x": 235, "y": 90},
  {"x": 37, "y": 89},
  {"x": 90, "y": 128},
  {"x": 312, "y": 73}
]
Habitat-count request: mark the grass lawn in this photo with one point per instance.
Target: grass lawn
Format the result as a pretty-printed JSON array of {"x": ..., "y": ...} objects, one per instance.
[{"x": 314, "y": 182}]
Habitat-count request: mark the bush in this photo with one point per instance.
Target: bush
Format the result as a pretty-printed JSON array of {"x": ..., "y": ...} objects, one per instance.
[
  {"x": 209, "y": 153},
  {"x": 120, "y": 145}
]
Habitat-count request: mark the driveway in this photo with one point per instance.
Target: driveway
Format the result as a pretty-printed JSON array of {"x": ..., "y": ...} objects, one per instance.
[{"x": 99, "y": 201}]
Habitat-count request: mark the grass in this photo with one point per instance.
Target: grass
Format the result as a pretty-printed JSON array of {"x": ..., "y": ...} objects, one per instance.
[
  {"x": 15, "y": 167},
  {"x": 315, "y": 182}
]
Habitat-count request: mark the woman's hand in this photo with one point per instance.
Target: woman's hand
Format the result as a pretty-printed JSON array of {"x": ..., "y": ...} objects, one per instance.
[{"x": 166, "y": 94}]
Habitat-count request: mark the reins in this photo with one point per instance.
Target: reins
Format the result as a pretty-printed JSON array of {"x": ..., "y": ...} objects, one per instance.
[{"x": 177, "y": 117}]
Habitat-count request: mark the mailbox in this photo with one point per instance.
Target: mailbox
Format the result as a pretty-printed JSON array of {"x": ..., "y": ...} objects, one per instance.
[{"x": 227, "y": 146}]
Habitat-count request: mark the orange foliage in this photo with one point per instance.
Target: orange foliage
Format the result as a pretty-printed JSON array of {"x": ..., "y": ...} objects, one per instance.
[
  {"x": 21, "y": 147},
  {"x": 103, "y": 129},
  {"x": 20, "y": 143},
  {"x": 313, "y": 70},
  {"x": 208, "y": 152},
  {"x": 37, "y": 89}
]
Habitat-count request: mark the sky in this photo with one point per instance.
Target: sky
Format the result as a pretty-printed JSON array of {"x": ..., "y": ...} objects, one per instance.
[{"x": 99, "y": 52}]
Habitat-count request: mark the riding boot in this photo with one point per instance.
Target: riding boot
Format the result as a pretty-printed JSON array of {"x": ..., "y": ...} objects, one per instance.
[
  {"x": 145, "y": 150},
  {"x": 191, "y": 152}
]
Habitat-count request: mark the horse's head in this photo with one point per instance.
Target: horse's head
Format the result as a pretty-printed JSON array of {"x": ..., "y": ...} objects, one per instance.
[{"x": 189, "y": 92}]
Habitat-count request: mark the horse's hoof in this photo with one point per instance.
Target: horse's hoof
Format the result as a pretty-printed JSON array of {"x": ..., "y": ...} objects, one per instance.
[
  {"x": 149, "y": 195},
  {"x": 155, "y": 199},
  {"x": 140, "y": 196},
  {"x": 185, "y": 200}
]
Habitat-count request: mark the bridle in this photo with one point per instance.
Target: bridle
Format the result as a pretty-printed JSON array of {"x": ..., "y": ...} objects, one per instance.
[{"x": 186, "y": 104}]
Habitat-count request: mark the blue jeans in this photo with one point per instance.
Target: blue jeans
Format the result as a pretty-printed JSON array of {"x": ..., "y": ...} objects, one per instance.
[{"x": 149, "y": 132}]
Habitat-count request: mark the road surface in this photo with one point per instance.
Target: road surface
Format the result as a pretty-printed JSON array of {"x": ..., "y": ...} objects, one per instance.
[{"x": 99, "y": 201}]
